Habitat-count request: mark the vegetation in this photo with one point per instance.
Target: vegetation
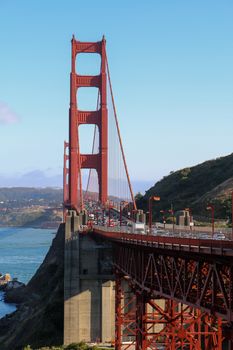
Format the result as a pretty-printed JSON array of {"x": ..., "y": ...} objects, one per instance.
[
  {"x": 73, "y": 346},
  {"x": 195, "y": 187},
  {"x": 34, "y": 207},
  {"x": 19, "y": 196}
]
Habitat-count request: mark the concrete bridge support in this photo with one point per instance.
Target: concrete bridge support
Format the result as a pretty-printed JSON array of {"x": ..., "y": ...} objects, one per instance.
[{"x": 89, "y": 295}]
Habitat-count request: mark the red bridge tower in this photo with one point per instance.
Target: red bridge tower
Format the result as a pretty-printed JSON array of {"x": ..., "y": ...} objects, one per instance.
[{"x": 77, "y": 117}]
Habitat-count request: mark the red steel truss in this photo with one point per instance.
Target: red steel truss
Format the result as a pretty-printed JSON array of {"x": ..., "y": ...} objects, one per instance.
[
  {"x": 77, "y": 117},
  {"x": 195, "y": 280},
  {"x": 65, "y": 179},
  {"x": 146, "y": 323},
  {"x": 195, "y": 277}
]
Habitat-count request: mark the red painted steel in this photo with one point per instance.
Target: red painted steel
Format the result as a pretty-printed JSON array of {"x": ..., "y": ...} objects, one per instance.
[
  {"x": 120, "y": 139},
  {"x": 191, "y": 245},
  {"x": 193, "y": 276},
  {"x": 77, "y": 117},
  {"x": 195, "y": 273},
  {"x": 65, "y": 179},
  {"x": 143, "y": 322},
  {"x": 151, "y": 199}
]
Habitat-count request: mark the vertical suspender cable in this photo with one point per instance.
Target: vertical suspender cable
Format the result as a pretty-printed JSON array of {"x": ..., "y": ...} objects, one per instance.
[
  {"x": 93, "y": 146},
  {"x": 119, "y": 135}
]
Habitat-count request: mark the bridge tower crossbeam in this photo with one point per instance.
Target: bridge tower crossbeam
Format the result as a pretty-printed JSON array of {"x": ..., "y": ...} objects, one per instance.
[{"x": 77, "y": 117}]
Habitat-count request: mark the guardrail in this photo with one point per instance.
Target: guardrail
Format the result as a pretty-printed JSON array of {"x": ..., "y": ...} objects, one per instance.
[{"x": 222, "y": 247}]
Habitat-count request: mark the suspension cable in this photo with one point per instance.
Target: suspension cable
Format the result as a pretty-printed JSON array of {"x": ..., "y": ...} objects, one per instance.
[
  {"x": 93, "y": 145},
  {"x": 119, "y": 136}
]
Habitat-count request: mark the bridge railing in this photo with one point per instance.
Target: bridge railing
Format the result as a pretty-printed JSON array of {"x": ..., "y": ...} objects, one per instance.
[{"x": 114, "y": 233}]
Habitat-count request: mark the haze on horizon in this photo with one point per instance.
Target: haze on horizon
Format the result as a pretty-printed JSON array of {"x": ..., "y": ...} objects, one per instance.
[{"x": 172, "y": 75}]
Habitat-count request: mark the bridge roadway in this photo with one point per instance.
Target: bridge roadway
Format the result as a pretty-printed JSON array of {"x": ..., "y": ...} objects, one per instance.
[
  {"x": 195, "y": 272},
  {"x": 195, "y": 245}
]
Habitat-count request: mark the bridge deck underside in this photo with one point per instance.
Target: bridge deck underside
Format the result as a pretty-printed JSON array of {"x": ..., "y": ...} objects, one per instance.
[{"x": 203, "y": 281}]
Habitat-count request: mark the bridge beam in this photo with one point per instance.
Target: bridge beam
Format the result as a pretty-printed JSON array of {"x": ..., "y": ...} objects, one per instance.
[{"x": 144, "y": 323}]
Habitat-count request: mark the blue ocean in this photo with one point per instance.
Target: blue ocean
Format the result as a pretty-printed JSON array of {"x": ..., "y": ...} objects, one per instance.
[{"x": 22, "y": 250}]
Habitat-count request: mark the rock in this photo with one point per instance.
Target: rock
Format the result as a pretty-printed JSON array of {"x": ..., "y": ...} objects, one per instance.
[
  {"x": 38, "y": 320},
  {"x": 16, "y": 295}
]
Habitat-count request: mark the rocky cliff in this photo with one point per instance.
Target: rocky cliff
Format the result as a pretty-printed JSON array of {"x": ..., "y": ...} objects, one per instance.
[{"x": 38, "y": 320}]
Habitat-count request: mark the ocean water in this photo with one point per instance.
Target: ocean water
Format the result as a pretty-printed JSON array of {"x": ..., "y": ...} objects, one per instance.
[{"x": 22, "y": 250}]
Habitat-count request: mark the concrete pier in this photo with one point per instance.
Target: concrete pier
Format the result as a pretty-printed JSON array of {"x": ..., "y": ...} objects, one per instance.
[{"x": 89, "y": 296}]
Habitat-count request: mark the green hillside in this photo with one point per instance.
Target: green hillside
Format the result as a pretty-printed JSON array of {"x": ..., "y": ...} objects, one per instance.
[
  {"x": 32, "y": 207},
  {"x": 208, "y": 182},
  {"x": 24, "y": 195}
]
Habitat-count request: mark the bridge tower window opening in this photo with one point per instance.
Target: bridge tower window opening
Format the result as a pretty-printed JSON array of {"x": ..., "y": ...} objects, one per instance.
[
  {"x": 87, "y": 98},
  {"x": 88, "y": 139},
  {"x": 90, "y": 185},
  {"x": 88, "y": 64}
]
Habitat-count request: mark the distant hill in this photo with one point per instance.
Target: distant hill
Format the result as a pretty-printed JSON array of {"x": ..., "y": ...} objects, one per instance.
[
  {"x": 194, "y": 187},
  {"x": 32, "y": 207},
  {"x": 23, "y": 195}
]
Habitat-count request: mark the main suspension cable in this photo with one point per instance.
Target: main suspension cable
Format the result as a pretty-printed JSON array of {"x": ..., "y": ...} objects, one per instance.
[{"x": 119, "y": 136}]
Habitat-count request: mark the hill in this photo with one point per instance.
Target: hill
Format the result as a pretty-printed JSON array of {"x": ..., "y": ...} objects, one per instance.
[
  {"x": 34, "y": 207},
  {"x": 19, "y": 196},
  {"x": 195, "y": 187}
]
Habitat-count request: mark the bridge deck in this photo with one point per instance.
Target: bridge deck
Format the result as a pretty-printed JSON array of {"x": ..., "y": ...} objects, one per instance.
[{"x": 204, "y": 246}]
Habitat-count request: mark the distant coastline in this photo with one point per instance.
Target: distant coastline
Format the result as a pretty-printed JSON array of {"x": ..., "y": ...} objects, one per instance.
[{"x": 52, "y": 225}]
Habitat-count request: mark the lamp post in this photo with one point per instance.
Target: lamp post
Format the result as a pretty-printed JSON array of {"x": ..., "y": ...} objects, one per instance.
[
  {"x": 103, "y": 216},
  {"x": 97, "y": 216},
  {"x": 164, "y": 218},
  {"x": 171, "y": 211},
  {"x": 147, "y": 218},
  {"x": 211, "y": 207},
  {"x": 121, "y": 204},
  {"x": 134, "y": 215},
  {"x": 120, "y": 213},
  {"x": 190, "y": 214},
  {"x": 151, "y": 199},
  {"x": 109, "y": 213}
]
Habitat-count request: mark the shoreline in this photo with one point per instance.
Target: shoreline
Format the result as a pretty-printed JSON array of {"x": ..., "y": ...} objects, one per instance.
[
  {"x": 48, "y": 227},
  {"x": 6, "y": 308}
]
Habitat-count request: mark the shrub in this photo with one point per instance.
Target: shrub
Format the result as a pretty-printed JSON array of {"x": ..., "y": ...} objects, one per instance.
[{"x": 77, "y": 346}]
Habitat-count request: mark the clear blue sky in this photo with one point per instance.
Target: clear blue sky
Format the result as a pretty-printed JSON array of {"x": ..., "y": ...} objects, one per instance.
[{"x": 172, "y": 73}]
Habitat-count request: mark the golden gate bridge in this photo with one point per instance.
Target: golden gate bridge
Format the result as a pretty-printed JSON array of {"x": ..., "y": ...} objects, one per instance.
[{"x": 181, "y": 289}]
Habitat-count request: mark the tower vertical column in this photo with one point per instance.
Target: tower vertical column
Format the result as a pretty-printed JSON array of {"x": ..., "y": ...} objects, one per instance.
[
  {"x": 118, "y": 313},
  {"x": 78, "y": 161},
  {"x": 73, "y": 134},
  {"x": 103, "y": 176},
  {"x": 140, "y": 321},
  {"x": 65, "y": 183}
]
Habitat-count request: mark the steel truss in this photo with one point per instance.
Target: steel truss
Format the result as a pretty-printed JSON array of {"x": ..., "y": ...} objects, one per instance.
[
  {"x": 194, "y": 280},
  {"x": 156, "y": 324}
]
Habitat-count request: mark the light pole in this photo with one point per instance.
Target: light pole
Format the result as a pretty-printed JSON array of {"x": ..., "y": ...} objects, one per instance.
[
  {"x": 190, "y": 214},
  {"x": 97, "y": 216},
  {"x": 151, "y": 199},
  {"x": 147, "y": 218},
  {"x": 121, "y": 204},
  {"x": 109, "y": 213},
  {"x": 103, "y": 216},
  {"x": 120, "y": 213},
  {"x": 134, "y": 216},
  {"x": 164, "y": 218},
  {"x": 171, "y": 211},
  {"x": 211, "y": 207}
]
